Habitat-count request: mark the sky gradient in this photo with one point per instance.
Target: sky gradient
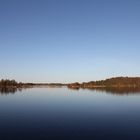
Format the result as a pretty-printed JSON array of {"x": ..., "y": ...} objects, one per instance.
[{"x": 69, "y": 40}]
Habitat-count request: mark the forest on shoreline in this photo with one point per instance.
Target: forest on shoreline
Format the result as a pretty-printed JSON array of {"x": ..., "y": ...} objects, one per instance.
[
  {"x": 112, "y": 82},
  {"x": 119, "y": 85}
]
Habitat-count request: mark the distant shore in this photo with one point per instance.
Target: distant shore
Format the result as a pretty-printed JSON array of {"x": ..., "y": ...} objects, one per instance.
[
  {"x": 119, "y": 85},
  {"x": 121, "y": 82},
  {"x": 115, "y": 82}
]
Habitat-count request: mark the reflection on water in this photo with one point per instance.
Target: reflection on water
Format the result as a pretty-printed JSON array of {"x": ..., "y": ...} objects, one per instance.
[
  {"x": 47, "y": 114},
  {"x": 120, "y": 90},
  {"x": 110, "y": 90},
  {"x": 113, "y": 90},
  {"x": 9, "y": 90}
]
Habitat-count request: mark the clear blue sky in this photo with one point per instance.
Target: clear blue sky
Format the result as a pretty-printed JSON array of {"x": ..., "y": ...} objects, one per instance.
[{"x": 69, "y": 40}]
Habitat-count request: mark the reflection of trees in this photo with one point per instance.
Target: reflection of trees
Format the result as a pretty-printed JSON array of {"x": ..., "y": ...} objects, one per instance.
[
  {"x": 9, "y": 90},
  {"x": 118, "y": 90},
  {"x": 113, "y": 90},
  {"x": 74, "y": 88}
]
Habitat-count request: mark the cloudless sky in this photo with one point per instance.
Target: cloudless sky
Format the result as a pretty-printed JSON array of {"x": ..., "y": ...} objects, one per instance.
[{"x": 69, "y": 40}]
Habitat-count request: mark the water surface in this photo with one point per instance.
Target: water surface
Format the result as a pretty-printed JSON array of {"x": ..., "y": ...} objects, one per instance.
[{"x": 60, "y": 113}]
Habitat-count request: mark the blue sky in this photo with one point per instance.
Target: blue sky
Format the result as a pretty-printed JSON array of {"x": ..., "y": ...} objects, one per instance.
[{"x": 69, "y": 40}]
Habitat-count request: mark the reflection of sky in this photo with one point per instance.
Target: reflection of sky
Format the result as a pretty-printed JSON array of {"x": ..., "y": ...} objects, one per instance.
[
  {"x": 63, "y": 100},
  {"x": 62, "y": 41},
  {"x": 66, "y": 112}
]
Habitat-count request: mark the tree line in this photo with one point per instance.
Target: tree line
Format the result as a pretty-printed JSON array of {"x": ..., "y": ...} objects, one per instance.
[
  {"x": 112, "y": 82},
  {"x": 7, "y": 82}
]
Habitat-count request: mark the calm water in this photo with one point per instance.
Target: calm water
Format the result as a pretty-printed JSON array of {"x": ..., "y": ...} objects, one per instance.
[{"x": 60, "y": 113}]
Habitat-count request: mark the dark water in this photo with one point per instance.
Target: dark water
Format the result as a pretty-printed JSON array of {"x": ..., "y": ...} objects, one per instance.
[{"x": 60, "y": 113}]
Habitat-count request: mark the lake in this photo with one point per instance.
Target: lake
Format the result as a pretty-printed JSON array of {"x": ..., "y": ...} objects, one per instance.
[{"x": 61, "y": 113}]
